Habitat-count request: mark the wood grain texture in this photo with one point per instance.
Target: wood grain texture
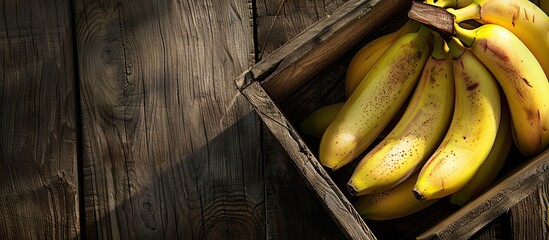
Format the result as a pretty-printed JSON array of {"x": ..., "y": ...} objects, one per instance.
[
  {"x": 325, "y": 42},
  {"x": 333, "y": 200},
  {"x": 515, "y": 187},
  {"x": 529, "y": 219},
  {"x": 293, "y": 211},
  {"x": 171, "y": 149},
  {"x": 495, "y": 230},
  {"x": 38, "y": 128},
  {"x": 278, "y": 21}
]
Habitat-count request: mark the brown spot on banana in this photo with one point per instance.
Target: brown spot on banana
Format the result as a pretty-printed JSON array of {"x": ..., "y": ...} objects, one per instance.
[
  {"x": 535, "y": 119},
  {"x": 400, "y": 76},
  {"x": 440, "y": 162},
  {"x": 499, "y": 53},
  {"x": 511, "y": 72},
  {"x": 526, "y": 81},
  {"x": 519, "y": 92},
  {"x": 432, "y": 79},
  {"x": 516, "y": 15},
  {"x": 539, "y": 118},
  {"x": 472, "y": 86},
  {"x": 530, "y": 116}
]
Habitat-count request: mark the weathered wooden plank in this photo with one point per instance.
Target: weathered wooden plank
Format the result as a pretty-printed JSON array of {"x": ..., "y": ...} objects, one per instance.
[
  {"x": 499, "y": 199},
  {"x": 278, "y": 21},
  {"x": 333, "y": 200},
  {"x": 327, "y": 87},
  {"x": 494, "y": 230},
  {"x": 323, "y": 43},
  {"x": 38, "y": 127},
  {"x": 171, "y": 148},
  {"x": 293, "y": 211},
  {"x": 529, "y": 219}
]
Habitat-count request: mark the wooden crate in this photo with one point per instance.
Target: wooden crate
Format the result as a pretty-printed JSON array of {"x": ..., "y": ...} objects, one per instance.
[{"x": 307, "y": 73}]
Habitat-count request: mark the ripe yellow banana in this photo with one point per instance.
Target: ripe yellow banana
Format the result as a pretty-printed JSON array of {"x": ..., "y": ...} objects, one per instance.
[
  {"x": 316, "y": 123},
  {"x": 392, "y": 203},
  {"x": 522, "y": 17},
  {"x": 491, "y": 167},
  {"x": 364, "y": 59},
  {"x": 368, "y": 55},
  {"x": 522, "y": 79},
  {"x": 376, "y": 99},
  {"x": 472, "y": 131},
  {"x": 417, "y": 134}
]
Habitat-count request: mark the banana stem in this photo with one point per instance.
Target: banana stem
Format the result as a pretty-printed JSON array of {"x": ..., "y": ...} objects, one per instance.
[
  {"x": 456, "y": 48},
  {"x": 409, "y": 26},
  {"x": 433, "y": 16},
  {"x": 426, "y": 33},
  {"x": 442, "y": 3},
  {"x": 424, "y": 30},
  {"x": 469, "y": 12},
  {"x": 462, "y": 3},
  {"x": 440, "y": 49},
  {"x": 466, "y": 36}
]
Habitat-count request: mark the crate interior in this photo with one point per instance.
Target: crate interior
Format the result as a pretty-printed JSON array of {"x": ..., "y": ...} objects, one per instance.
[{"x": 326, "y": 88}]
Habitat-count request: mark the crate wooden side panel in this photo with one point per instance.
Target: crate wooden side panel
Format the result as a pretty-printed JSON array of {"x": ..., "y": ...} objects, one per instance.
[
  {"x": 327, "y": 87},
  {"x": 330, "y": 45},
  {"x": 499, "y": 199},
  {"x": 292, "y": 210},
  {"x": 295, "y": 63},
  {"x": 344, "y": 214},
  {"x": 277, "y": 22},
  {"x": 529, "y": 219}
]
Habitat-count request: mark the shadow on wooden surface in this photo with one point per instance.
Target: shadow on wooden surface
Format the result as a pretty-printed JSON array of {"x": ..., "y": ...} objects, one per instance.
[
  {"x": 38, "y": 127},
  {"x": 202, "y": 198},
  {"x": 170, "y": 149}
]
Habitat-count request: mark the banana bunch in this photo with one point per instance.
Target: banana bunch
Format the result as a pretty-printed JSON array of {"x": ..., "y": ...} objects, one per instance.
[
  {"x": 472, "y": 130},
  {"x": 464, "y": 100},
  {"x": 417, "y": 133},
  {"x": 523, "y": 18},
  {"x": 378, "y": 97}
]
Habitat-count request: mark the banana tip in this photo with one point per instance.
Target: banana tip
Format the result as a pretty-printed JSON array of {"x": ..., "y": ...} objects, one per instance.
[
  {"x": 418, "y": 195},
  {"x": 352, "y": 190},
  {"x": 329, "y": 169}
]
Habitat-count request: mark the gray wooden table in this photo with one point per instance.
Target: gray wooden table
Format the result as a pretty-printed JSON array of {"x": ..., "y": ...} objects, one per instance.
[{"x": 120, "y": 120}]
